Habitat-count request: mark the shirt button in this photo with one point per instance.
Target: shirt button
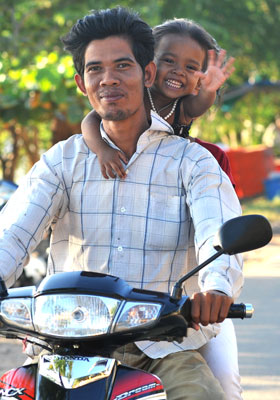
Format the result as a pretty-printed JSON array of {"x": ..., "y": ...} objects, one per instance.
[
  {"x": 123, "y": 209},
  {"x": 120, "y": 248}
]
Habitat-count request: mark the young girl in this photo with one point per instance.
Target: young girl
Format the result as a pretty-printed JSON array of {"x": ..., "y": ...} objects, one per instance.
[{"x": 190, "y": 70}]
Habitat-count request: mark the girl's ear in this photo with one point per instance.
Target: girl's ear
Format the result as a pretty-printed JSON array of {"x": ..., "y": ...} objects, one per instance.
[
  {"x": 80, "y": 83},
  {"x": 150, "y": 74}
]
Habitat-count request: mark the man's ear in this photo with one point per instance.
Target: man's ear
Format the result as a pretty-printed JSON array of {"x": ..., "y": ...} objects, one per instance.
[
  {"x": 150, "y": 74},
  {"x": 80, "y": 83}
]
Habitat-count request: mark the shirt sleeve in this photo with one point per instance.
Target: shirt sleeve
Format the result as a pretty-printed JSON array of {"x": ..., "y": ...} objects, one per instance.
[
  {"x": 26, "y": 216},
  {"x": 212, "y": 201},
  {"x": 220, "y": 156}
]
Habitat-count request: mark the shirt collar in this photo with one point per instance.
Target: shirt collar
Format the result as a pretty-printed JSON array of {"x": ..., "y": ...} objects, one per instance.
[
  {"x": 158, "y": 128},
  {"x": 159, "y": 124}
]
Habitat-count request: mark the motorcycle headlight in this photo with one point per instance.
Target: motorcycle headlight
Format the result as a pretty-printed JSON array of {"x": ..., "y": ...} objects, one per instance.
[
  {"x": 136, "y": 314},
  {"x": 77, "y": 315},
  {"x": 17, "y": 312},
  {"x": 72, "y": 315}
]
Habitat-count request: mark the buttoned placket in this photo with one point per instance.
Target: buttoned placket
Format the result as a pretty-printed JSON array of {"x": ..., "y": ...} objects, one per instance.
[
  {"x": 120, "y": 212},
  {"x": 119, "y": 235}
]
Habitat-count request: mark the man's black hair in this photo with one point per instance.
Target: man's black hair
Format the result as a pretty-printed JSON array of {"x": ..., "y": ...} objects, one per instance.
[{"x": 101, "y": 24}]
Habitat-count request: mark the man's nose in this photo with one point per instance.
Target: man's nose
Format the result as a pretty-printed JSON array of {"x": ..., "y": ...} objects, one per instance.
[{"x": 109, "y": 78}]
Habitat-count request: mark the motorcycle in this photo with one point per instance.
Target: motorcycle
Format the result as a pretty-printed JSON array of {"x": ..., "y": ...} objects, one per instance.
[{"x": 82, "y": 317}]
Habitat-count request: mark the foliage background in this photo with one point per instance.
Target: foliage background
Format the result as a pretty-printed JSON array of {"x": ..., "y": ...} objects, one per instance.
[{"x": 39, "y": 103}]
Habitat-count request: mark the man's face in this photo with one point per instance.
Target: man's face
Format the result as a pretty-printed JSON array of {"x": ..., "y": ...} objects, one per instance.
[{"x": 113, "y": 80}]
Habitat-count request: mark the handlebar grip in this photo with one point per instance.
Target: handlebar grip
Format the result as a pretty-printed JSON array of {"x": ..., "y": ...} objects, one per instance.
[{"x": 241, "y": 311}]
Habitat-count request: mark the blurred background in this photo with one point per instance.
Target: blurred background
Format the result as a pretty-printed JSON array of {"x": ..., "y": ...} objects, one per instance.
[{"x": 39, "y": 105}]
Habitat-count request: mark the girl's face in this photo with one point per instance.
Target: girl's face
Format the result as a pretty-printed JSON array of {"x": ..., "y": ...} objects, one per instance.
[{"x": 177, "y": 58}]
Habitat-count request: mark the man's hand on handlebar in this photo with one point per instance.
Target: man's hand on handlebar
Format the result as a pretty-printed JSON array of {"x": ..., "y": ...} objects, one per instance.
[{"x": 209, "y": 307}]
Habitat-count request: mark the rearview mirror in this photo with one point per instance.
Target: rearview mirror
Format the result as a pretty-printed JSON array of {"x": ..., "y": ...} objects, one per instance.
[{"x": 245, "y": 233}]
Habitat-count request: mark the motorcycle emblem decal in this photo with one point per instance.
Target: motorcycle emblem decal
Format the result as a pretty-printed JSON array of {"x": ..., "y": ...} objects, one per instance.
[
  {"x": 67, "y": 358},
  {"x": 11, "y": 394},
  {"x": 137, "y": 391},
  {"x": 133, "y": 384}
]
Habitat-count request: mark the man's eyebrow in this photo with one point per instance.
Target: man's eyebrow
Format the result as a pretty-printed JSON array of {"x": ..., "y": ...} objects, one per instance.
[
  {"x": 88, "y": 64},
  {"x": 121, "y": 59}
]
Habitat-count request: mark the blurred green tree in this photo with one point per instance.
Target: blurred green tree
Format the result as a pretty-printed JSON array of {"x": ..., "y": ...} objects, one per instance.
[{"x": 39, "y": 103}]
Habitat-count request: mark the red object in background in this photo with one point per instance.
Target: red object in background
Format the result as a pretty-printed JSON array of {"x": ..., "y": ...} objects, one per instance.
[
  {"x": 250, "y": 167},
  {"x": 277, "y": 165}
]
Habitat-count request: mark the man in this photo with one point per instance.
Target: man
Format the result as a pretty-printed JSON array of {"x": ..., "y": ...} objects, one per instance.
[{"x": 142, "y": 229}]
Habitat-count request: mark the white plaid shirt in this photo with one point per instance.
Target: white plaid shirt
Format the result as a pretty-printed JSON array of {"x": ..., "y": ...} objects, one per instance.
[{"x": 140, "y": 229}]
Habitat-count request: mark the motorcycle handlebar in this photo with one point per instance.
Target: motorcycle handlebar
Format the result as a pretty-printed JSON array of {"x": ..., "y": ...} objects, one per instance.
[{"x": 241, "y": 311}]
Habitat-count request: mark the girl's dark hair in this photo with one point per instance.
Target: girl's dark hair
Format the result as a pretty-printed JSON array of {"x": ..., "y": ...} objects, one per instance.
[
  {"x": 101, "y": 24},
  {"x": 189, "y": 28}
]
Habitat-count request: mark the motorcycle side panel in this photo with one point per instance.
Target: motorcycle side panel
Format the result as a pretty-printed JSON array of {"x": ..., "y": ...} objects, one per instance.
[
  {"x": 18, "y": 383},
  {"x": 136, "y": 384}
]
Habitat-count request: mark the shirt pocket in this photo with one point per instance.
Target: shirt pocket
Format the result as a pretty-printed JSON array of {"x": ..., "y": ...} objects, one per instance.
[{"x": 167, "y": 216}]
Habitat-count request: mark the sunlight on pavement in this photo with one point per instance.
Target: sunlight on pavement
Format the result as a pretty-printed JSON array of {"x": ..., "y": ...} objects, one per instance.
[
  {"x": 263, "y": 356},
  {"x": 261, "y": 387},
  {"x": 254, "y": 264}
]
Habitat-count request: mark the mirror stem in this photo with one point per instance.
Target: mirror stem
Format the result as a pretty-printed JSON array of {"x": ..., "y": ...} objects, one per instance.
[{"x": 177, "y": 289}]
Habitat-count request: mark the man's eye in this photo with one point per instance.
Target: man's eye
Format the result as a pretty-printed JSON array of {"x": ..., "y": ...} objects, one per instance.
[
  {"x": 94, "y": 68},
  {"x": 123, "y": 65}
]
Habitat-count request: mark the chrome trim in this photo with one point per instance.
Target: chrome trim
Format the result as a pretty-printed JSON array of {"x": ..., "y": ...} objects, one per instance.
[
  {"x": 72, "y": 372},
  {"x": 249, "y": 310},
  {"x": 116, "y": 316}
]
